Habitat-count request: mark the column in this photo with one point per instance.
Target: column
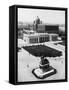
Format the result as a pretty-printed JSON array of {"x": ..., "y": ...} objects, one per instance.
[
  {"x": 50, "y": 37},
  {"x": 38, "y": 39}
]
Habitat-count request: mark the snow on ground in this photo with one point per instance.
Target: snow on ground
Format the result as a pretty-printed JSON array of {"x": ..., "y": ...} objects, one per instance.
[{"x": 27, "y": 62}]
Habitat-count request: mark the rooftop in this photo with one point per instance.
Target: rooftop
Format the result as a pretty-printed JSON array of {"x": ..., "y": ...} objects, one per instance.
[{"x": 39, "y": 34}]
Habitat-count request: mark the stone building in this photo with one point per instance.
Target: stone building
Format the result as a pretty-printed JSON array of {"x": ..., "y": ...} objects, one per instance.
[{"x": 40, "y": 37}]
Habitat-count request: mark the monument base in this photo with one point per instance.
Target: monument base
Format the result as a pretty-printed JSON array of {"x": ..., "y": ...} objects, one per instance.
[{"x": 41, "y": 74}]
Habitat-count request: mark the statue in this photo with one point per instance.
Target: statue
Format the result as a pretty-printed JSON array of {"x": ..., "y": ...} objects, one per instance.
[
  {"x": 44, "y": 70},
  {"x": 44, "y": 63}
]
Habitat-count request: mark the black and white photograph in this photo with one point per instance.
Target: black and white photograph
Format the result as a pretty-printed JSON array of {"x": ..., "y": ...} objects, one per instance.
[{"x": 41, "y": 36}]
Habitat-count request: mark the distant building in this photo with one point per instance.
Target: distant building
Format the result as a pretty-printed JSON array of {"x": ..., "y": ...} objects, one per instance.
[
  {"x": 39, "y": 27},
  {"x": 44, "y": 28},
  {"x": 40, "y": 37},
  {"x": 36, "y": 22},
  {"x": 38, "y": 32}
]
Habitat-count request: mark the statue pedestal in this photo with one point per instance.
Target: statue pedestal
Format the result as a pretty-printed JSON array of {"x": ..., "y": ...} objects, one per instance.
[
  {"x": 43, "y": 73},
  {"x": 44, "y": 70}
]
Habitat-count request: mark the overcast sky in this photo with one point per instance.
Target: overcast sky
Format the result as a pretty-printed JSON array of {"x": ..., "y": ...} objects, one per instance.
[{"x": 47, "y": 16}]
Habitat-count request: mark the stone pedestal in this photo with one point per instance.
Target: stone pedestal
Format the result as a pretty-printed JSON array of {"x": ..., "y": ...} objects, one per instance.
[{"x": 44, "y": 70}]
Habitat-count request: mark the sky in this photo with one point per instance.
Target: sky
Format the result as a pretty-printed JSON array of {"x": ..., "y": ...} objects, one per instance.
[{"x": 46, "y": 16}]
